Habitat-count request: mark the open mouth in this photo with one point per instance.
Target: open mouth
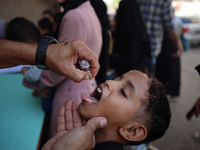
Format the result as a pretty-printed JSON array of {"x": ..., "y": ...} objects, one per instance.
[{"x": 94, "y": 97}]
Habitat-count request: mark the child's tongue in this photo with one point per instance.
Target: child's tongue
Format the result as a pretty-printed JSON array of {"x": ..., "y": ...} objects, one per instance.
[{"x": 89, "y": 99}]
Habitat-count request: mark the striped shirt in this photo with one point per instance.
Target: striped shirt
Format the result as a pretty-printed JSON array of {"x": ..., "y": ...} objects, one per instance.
[{"x": 157, "y": 14}]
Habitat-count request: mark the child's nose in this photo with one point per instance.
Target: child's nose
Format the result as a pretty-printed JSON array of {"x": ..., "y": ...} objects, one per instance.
[{"x": 111, "y": 84}]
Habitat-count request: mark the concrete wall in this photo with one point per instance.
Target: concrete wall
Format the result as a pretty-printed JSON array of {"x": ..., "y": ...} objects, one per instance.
[{"x": 30, "y": 9}]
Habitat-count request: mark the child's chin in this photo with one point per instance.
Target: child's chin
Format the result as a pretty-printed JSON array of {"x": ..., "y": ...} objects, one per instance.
[
  {"x": 84, "y": 114},
  {"x": 86, "y": 117}
]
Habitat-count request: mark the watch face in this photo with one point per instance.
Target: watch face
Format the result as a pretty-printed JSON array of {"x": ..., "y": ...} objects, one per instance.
[{"x": 42, "y": 67}]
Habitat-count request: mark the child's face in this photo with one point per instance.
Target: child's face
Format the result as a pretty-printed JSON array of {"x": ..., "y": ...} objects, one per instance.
[{"x": 117, "y": 100}]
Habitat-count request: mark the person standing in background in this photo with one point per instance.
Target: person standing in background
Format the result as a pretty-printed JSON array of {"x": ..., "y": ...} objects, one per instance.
[
  {"x": 158, "y": 15},
  {"x": 78, "y": 21},
  {"x": 168, "y": 68},
  {"x": 131, "y": 47}
]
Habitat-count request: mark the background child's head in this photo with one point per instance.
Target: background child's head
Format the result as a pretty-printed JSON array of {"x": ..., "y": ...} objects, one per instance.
[
  {"x": 45, "y": 27},
  {"x": 22, "y": 30},
  {"x": 48, "y": 14},
  {"x": 135, "y": 106}
]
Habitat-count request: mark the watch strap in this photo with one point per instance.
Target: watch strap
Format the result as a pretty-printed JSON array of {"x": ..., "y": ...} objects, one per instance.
[{"x": 43, "y": 44}]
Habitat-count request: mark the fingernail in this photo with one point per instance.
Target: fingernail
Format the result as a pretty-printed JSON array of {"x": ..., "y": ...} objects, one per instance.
[{"x": 103, "y": 122}]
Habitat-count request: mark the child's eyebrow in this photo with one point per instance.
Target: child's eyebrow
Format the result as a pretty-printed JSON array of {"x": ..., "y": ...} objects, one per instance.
[{"x": 130, "y": 84}]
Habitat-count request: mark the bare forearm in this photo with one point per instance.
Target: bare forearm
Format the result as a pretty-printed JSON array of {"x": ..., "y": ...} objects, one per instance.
[
  {"x": 178, "y": 47},
  {"x": 60, "y": 58},
  {"x": 173, "y": 36},
  {"x": 16, "y": 53}
]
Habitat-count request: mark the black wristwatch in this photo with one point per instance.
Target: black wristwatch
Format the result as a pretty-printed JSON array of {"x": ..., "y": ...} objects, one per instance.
[{"x": 40, "y": 56}]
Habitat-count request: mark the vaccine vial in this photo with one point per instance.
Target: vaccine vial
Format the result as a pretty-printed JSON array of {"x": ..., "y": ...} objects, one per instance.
[{"x": 84, "y": 65}]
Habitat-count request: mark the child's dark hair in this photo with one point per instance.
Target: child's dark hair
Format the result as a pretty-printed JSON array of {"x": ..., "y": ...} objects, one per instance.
[
  {"x": 22, "y": 30},
  {"x": 45, "y": 23},
  {"x": 155, "y": 113}
]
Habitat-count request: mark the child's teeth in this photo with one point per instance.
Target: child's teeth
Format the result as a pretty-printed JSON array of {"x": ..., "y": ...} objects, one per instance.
[{"x": 99, "y": 90}]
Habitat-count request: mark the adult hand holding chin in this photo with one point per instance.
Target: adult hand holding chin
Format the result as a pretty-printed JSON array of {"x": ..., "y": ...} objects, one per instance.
[{"x": 71, "y": 133}]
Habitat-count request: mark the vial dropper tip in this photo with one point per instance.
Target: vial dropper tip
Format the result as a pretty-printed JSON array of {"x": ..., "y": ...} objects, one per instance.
[{"x": 92, "y": 82}]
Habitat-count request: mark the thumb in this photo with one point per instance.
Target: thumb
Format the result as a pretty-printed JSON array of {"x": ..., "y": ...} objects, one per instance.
[{"x": 96, "y": 123}]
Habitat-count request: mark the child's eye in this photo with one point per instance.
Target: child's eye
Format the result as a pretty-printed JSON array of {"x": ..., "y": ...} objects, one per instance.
[{"x": 123, "y": 93}]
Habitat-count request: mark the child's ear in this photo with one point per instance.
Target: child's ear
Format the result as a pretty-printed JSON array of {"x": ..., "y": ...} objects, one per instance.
[{"x": 133, "y": 132}]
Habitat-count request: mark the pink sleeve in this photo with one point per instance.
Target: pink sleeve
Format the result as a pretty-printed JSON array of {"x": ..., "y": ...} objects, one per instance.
[
  {"x": 50, "y": 79},
  {"x": 47, "y": 79}
]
